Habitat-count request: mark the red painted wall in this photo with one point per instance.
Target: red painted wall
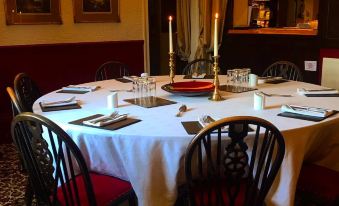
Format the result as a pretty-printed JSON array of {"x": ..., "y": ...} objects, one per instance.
[{"x": 55, "y": 65}]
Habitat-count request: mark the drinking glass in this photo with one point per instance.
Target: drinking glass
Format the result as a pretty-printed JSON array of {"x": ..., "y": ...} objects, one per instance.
[
  {"x": 151, "y": 87},
  {"x": 230, "y": 77}
]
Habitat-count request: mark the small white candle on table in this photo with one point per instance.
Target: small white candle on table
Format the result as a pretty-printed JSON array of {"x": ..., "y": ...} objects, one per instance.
[
  {"x": 170, "y": 35},
  {"x": 216, "y": 35}
]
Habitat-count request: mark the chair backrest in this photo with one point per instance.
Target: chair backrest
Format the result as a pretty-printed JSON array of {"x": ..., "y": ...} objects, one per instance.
[
  {"x": 26, "y": 91},
  {"x": 16, "y": 107},
  {"x": 284, "y": 69},
  {"x": 52, "y": 160},
  {"x": 233, "y": 161},
  {"x": 111, "y": 70},
  {"x": 199, "y": 66}
]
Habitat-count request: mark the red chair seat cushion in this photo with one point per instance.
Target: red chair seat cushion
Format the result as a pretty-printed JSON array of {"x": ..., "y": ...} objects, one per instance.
[
  {"x": 201, "y": 195},
  {"x": 319, "y": 181},
  {"x": 106, "y": 189}
]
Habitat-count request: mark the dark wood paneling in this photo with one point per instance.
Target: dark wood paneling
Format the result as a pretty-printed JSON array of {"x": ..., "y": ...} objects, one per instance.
[
  {"x": 259, "y": 51},
  {"x": 329, "y": 23},
  {"x": 56, "y": 65}
]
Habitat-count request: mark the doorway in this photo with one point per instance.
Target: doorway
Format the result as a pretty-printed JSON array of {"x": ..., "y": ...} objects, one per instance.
[{"x": 159, "y": 11}]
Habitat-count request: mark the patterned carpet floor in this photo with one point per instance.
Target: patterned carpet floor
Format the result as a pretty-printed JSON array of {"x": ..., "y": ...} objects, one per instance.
[{"x": 12, "y": 181}]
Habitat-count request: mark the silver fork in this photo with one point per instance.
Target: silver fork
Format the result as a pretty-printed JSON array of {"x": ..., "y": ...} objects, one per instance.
[
  {"x": 276, "y": 95},
  {"x": 111, "y": 116}
]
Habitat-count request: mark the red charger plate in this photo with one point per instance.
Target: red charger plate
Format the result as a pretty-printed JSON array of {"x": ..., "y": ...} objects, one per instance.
[{"x": 190, "y": 88}]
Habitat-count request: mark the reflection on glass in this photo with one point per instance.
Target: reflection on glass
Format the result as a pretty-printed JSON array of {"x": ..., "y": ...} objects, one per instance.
[
  {"x": 96, "y": 5},
  {"x": 33, "y": 6}
]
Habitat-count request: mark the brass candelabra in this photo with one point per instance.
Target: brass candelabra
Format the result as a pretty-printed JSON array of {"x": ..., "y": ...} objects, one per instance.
[
  {"x": 171, "y": 65},
  {"x": 216, "y": 93}
]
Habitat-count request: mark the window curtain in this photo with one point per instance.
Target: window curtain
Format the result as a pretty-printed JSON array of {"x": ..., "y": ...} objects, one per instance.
[
  {"x": 184, "y": 29},
  {"x": 207, "y": 11}
]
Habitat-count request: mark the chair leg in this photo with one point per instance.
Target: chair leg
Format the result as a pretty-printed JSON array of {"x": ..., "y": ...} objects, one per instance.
[{"x": 133, "y": 200}]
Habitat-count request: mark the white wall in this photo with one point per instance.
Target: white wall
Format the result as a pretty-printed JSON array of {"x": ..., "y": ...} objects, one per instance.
[{"x": 330, "y": 73}]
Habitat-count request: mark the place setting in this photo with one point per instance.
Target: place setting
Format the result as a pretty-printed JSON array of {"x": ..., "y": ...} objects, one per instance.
[
  {"x": 112, "y": 121},
  {"x": 61, "y": 104},
  {"x": 323, "y": 92},
  {"x": 76, "y": 89},
  {"x": 196, "y": 75},
  {"x": 126, "y": 79},
  {"x": 306, "y": 112},
  {"x": 271, "y": 80}
]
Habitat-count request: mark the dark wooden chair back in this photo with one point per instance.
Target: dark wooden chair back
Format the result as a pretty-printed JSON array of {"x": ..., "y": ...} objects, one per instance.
[
  {"x": 16, "y": 107},
  {"x": 284, "y": 69},
  {"x": 111, "y": 70},
  {"x": 199, "y": 66},
  {"x": 235, "y": 167},
  {"x": 26, "y": 91},
  {"x": 51, "y": 159}
]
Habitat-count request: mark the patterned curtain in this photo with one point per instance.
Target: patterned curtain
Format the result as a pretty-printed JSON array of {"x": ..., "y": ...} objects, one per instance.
[{"x": 207, "y": 10}]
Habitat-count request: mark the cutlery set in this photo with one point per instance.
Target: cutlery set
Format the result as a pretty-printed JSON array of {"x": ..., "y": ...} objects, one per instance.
[{"x": 106, "y": 120}]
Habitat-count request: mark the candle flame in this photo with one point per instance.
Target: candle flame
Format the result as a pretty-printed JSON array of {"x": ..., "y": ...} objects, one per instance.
[
  {"x": 216, "y": 15},
  {"x": 170, "y": 18}
]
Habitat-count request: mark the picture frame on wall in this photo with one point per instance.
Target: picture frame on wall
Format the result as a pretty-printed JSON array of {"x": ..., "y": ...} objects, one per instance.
[
  {"x": 86, "y": 11},
  {"x": 32, "y": 12}
]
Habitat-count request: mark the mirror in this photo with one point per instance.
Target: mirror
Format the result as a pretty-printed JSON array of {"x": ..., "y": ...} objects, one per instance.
[{"x": 284, "y": 13}]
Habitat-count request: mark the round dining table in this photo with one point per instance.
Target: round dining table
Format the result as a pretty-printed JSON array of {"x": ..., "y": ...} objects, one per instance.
[{"x": 150, "y": 153}]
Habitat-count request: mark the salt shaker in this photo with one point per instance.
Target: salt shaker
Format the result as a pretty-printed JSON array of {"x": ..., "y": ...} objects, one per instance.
[
  {"x": 112, "y": 100},
  {"x": 259, "y": 101}
]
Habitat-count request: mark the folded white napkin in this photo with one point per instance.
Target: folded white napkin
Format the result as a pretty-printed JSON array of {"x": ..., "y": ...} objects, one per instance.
[
  {"x": 198, "y": 76},
  {"x": 131, "y": 78},
  {"x": 262, "y": 80},
  {"x": 105, "y": 120},
  {"x": 302, "y": 91},
  {"x": 59, "y": 103},
  {"x": 80, "y": 88},
  {"x": 304, "y": 110},
  {"x": 205, "y": 120}
]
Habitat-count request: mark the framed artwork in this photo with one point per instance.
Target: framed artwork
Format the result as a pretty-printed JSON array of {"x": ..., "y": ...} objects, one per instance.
[
  {"x": 96, "y": 11},
  {"x": 32, "y": 12}
]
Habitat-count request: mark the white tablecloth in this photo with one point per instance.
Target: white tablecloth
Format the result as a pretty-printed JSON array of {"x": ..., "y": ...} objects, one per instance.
[{"x": 150, "y": 153}]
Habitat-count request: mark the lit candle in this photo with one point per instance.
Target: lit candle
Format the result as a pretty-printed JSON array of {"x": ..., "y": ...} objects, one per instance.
[
  {"x": 216, "y": 35},
  {"x": 170, "y": 35}
]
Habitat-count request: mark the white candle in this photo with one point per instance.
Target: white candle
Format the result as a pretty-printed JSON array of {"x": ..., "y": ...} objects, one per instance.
[
  {"x": 216, "y": 35},
  {"x": 170, "y": 35}
]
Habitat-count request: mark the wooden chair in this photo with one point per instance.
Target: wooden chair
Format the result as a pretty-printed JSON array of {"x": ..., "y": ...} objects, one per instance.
[
  {"x": 199, "y": 66},
  {"x": 235, "y": 167},
  {"x": 57, "y": 170},
  {"x": 318, "y": 185},
  {"x": 111, "y": 70},
  {"x": 284, "y": 69},
  {"x": 26, "y": 91},
  {"x": 16, "y": 107}
]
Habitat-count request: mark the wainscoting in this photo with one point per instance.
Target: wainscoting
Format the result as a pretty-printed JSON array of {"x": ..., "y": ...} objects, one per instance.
[{"x": 52, "y": 66}]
